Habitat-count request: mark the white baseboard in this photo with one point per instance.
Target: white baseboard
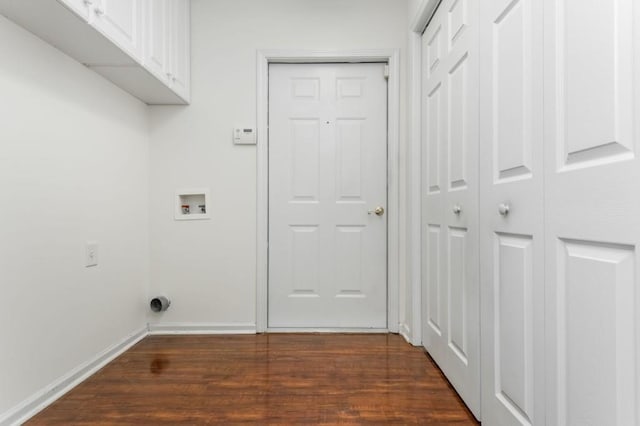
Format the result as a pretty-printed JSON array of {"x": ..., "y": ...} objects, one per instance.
[
  {"x": 43, "y": 398},
  {"x": 201, "y": 328},
  {"x": 405, "y": 332}
]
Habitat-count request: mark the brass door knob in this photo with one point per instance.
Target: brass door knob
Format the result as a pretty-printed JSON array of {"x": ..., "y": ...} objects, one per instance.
[{"x": 379, "y": 211}]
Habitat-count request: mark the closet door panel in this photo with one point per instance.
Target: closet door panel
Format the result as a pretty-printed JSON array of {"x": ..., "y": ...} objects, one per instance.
[
  {"x": 592, "y": 170},
  {"x": 450, "y": 196},
  {"x": 458, "y": 245},
  {"x": 457, "y": 132},
  {"x": 434, "y": 121},
  {"x": 512, "y": 97},
  {"x": 514, "y": 327},
  {"x": 594, "y": 78},
  {"x": 511, "y": 218},
  {"x": 432, "y": 281}
]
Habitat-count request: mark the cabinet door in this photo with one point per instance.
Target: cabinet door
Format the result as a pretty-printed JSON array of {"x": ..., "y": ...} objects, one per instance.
[
  {"x": 80, "y": 7},
  {"x": 156, "y": 52},
  {"x": 180, "y": 47},
  {"x": 121, "y": 22}
]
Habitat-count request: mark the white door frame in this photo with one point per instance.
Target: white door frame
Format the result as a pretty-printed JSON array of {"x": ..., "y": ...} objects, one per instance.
[
  {"x": 390, "y": 56},
  {"x": 419, "y": 24}
]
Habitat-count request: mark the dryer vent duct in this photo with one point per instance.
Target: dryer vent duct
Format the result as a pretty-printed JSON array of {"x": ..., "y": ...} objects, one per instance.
[{"x": 159, "y": 304}]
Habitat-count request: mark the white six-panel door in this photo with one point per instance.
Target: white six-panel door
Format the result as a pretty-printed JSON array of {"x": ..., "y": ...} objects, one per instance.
[
  {"x": 512, "y": 212},
  {"x": 592, "y": 203},
  {"x": 450, "y": 312},
  {"x": 327, "y": 175}
]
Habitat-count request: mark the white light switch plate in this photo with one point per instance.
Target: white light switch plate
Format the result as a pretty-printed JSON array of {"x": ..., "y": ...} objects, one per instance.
[{"x": 91, "y": 254}]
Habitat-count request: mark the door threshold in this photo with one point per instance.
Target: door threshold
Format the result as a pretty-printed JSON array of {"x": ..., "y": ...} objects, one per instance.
[{"x": 325, "y": 330}]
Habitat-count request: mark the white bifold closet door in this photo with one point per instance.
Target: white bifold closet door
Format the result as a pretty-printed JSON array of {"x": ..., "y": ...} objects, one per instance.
[
  {"x": 592, "y": 203},
  {"x": 327, "y": 196},
  {"x": 450, "y": 308},
  {"x": 560, "y": 212},
  {"x": 512, "y": 212}
]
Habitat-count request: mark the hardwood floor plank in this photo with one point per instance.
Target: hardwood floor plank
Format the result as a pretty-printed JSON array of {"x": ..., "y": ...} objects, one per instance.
[{"x": 264, "y": 379}]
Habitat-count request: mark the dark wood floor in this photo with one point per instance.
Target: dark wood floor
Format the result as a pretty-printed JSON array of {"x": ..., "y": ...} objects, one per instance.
[{"x": 265, "y": 379}]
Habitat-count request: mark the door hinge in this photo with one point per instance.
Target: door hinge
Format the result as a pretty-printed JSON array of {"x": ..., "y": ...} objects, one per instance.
[{"x": 386, "y": 72}]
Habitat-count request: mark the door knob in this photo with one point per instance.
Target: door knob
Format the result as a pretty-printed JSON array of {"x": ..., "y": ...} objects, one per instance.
[
  {"x": 379, "y": 211},
  {"x": 503, "y": 209},
  {"x": 457, "y": 209}
]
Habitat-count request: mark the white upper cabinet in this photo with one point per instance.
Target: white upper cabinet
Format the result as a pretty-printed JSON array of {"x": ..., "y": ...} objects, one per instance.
[
  {"x": 121, "y": 22},
  {"x": 80, "y": 7},
  {"x": 142, "y": 46},
  {"x": 167, "y": 43},
  {"x": 156, "y": 46},
  {"x": 180, "y": 47}
]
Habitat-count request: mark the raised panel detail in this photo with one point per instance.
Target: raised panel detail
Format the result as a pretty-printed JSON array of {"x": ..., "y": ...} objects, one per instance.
[
  {"x": 349, "y": 87},
  {"x": 348, "y": 260},
  {"x": 433, "y": 277},
  {"x": 305, "y": 255},
  {"x": 457, "y": 19},
  {"x": 595, "y": 81},
  {"x": 513, "y": 292},
  {"x": 457, "y": 299},
  {"x": 597, "y": 334},
  {"x": 305, "y": 88},
  {"x": 349, "y": 165},
  {"x": 434, "y": 50},
  {"x": 434, "y": 135},
  {"x": 512, "y": 97},
  {"x": 457, "y": 134},
  {"x": 122, "y": 17},
  {"x": 156, "y": 47},
  {"x": 304, "y": 167}
]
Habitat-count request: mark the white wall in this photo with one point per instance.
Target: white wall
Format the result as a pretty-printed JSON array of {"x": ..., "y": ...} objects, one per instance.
[
  {"x": 73, "y": 167},
  {"x": 412, "y": 8},
  {"x": 208, "y": 268}
]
